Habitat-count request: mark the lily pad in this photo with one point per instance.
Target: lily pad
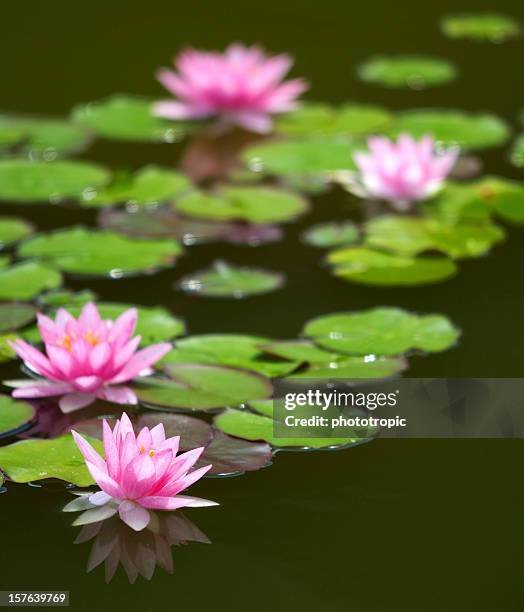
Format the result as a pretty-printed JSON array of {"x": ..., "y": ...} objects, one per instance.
[
  {"x": 412, "y": 235},
  {"x": 252, "y": 204},
  {"x": 517, "y": 152},
  {"x": 128, "y": 117},
  {"x": 14, "y": 315},
  {"x": 25, "y": 281},
  {"x": 413, "y": 71},
  {"x": 369, "y": 366},
  {"x": 250, "y": 426},
  {"x": 453, "y": 127},
  {"x": 32, "y": 181},
  {"x": 45, "y": 138},
  {"x": 225, "y": 280},
  {"x": 6, "y": 352},
  {"x": 332, "y": 234},
  {"x": 193, "y": 432},
  {"x": 382, "y": 331},
  {"x": 13, "y": 229},
  {"x": 14, "y": 415},
  {"x": 81, "y": 250},
  {"x": 491, "y": 27},
  {"x": 369, "y": 267},
  {"x": 65, "y": 297},
  {"x": 60, "y": 458},
  {"x": 316, "y": 119},
  {"x": 202, "y": 387},
  {"x": 150, "y": 185}
]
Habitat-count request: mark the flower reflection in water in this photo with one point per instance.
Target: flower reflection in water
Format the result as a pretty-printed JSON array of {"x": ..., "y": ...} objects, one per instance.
[{"x": 139, "y": 552}]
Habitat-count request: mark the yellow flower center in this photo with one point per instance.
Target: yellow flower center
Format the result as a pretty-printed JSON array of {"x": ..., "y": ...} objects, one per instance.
[
  {"x": 91, "y": 337},
  {"x": 143, "y": 450}
]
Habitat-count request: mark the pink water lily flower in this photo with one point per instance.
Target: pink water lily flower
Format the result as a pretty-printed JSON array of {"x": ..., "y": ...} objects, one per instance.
[
  {"x": 86, "y": 358},
  {"x": 403, "y": 171},
  {"x": 140, "y": 473},
  {"x": 242, "y": 86}
]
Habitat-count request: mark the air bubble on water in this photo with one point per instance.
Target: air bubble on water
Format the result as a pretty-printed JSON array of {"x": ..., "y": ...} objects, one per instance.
[
  {"x": 116, "y": 273},
  {"x": 89, "y": 193}
]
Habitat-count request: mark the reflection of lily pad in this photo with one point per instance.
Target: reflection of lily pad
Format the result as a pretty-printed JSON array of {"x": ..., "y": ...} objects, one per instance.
[
  {"x": 323, "y": 120},
  {"x": 127, "y": 117},
  {"x": 13, "y": 229},
  {"x": 150, "y": 185},
  {"x": 15, "y": 315},
  {"x": 381, "y": 331},
  {"x": 492, "y": 27},
  {"x": 453, "y": 127},
  {"x": 84, "y": 251},
  {"x": 30, "y": 181},
  {"x": 60, "y": 458},
  {"x": 252, "y": 204},
  {"x": 414, "y": 71},
  {"x": 24, "y": 281},
  {"x": 225, "y": 280},
  {"x": 193, "y": 432},
  {"x": 14, "y": 415},
  {"x": 332, "y": 234},
  {"x": 362, "y": 265},
  {"x": 411, "y": 235},
  {"x": 202, "y": 387}
]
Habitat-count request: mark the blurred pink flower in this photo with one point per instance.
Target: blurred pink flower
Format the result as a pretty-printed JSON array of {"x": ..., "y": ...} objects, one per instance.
[
  {"x": 86, "y": 359},
  {"x": 139, "y": 473},
  {"x": 243, "y": 86},
  {"x": 403, "y": 171}
]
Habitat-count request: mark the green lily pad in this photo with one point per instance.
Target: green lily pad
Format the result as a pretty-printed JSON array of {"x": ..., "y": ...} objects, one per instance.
[
  {"x": 232, "y": 350},
  {"x": 6, "y": 352},
  {"x": 355, "y": 367},
  {"x": 202, "y": 387},
  {"x": 413, "y": 71},
  {"x": 316, "y": 119},
  {"x": 45, "y": 138},
  {"x": 14, "y": 415},
  {"x": 252, "y": 204},
  {"x": 491, "y": 27},
  {"x": 81, "y": 250},
  {"x": 225, "y": 280},
  {"x": 412, "y": 235},
  {"x": 453, "y": 127},
  {"x": 127, "y": 117},
  {"x": 250, "y": 426},
  {"x": 60, "y": 458},
  {"x": 302, "y": 157},
  {"x": 369, "y": 267},
  {"x": 32, "y": 181},
  {"x": 9, "y": 135},
  {"x": 382, "y": 331},
  {"x": 14, "y": 315},
  {"x": 301, "y": 351},
  {"x": 13, "y": 229},
  {"x": 517, "y": 152},
  {"x": 150, "y": 185},
  {"x": 25, "y": 281},
  {"x": 332, "y": 234},
  {"x": 65, "y": 297},
  {"x": 459, "y": 203}
]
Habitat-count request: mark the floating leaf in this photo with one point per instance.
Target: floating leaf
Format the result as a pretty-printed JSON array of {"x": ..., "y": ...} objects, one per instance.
[
  {"x": 252, "y": 204},
  {"x": 29, "y": 181},
  {"x": 13, "y": 229},
  {"x": 382, "y": 331},
  {"x": 24, "y": 281},
  {"x": 412, "y": 235},
  {"x": 44, "y": 137},
  {"x": 81, "y": 250},
  {"x": 193, "y": 432},
  {"x": 332, "y": 234},
  {"x": 250, "y": 426},
  {"x": 369, "y": 366},
  {"x": 517, "y": 152},
  {"x": 150, "y": 185},
  {"x": 14, "y": 415},
  {"x": 225, "y": 280},
  {"x": 362, "y": 265},
  {"x": 66, "y": 297},
  {"x": 323, "y": 120},
  {"x": 60, "y": 458},
  {"x": 14, "y": 315},
  {"x": 127, "y": 117},
  {"x": 459, "y": 203},
  {"x": 9, "y": 135},
  {"x": 202, "y": 387},
  {"x": 6, "y": 352},
  {"x": 453, "y": 127},
  {"x": 414, "y": 71},
  {"x": 229, "y": 455},
  {"x": 491, "y": 27}
]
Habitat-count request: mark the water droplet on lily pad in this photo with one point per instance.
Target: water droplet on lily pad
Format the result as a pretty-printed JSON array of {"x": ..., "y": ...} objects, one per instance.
[{"x": 413, "y": 71}]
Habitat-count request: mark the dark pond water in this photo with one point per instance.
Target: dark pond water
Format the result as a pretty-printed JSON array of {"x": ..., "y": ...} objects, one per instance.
[{"x": 392, "y": 525}]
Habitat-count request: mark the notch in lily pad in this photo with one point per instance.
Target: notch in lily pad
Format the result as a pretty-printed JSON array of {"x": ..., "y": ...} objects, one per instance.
[
  {"x": 224, "y": 280},
  {"x": 412, "y": 71}
]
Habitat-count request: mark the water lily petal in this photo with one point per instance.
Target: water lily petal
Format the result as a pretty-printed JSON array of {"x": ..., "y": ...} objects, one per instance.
[
  {"x": 134, "y": 515},
  {"x": 75, "y": 401}
]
